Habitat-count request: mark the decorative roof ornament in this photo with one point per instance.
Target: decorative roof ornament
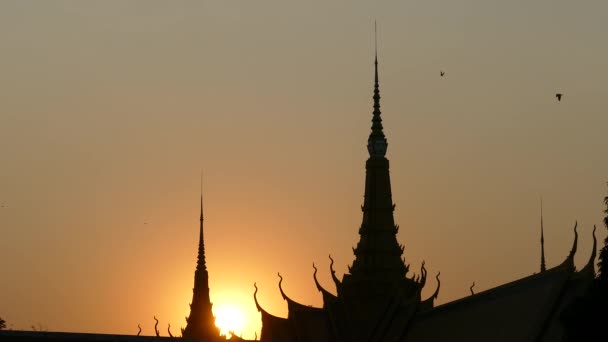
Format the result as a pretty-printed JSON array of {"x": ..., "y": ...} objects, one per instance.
[
  {"x": 281, "y": 287},
  {"x": 333, "y": 275},
  {"x": 265, "y": 314},
  {"x": 589, "y": 267},
  {"x": 429, "y": 303},
  {"x": 570, "y": 259},
  {"x": 423, "y": 273},
  {"x": 327, "y": 296},
  {"x": 436, "y": 293},
  {"x": 255, "y": 298}
]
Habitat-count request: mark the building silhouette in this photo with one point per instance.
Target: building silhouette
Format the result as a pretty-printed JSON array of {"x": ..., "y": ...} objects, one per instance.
[{"x": 378, "y": 299}]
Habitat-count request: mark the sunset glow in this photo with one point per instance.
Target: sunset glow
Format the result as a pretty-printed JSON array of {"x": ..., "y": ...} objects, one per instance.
[
  {"x": 230, "y": 318},
  {"x": 110, "y": 110}
]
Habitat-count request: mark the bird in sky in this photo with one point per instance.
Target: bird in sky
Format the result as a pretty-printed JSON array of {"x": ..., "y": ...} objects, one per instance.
[
  {"x": 559, "y": 96},
  {"x": 441, "y": 73}
]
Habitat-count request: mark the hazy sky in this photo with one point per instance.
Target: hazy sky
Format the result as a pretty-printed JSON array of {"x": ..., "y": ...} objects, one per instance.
[{"x": 110, "y": 109}]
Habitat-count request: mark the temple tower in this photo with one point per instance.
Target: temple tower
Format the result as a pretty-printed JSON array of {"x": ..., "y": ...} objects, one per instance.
[
  {"x": 376, "y": 299},
  {"x": 201, "y": 322},
  {"x": 378, "y": 267}
]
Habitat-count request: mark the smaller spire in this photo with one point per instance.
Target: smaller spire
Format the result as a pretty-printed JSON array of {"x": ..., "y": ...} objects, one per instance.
[{"x": 543, "y": 267}]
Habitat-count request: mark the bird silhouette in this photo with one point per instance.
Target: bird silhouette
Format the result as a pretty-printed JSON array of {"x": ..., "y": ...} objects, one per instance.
[
  {"x": 559, "y": 96},
  {"x": 441, "y": 73}
]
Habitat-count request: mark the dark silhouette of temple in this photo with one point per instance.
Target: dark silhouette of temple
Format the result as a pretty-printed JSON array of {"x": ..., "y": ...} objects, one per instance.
[{"x": 378, "y": 301}]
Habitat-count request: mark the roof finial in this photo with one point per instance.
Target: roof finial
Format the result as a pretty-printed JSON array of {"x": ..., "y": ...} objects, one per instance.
[{"x": 542, "y": 239}]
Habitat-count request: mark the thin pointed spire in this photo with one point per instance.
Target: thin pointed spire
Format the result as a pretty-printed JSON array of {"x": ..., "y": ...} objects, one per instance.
[
  {"x": 201, "y": 197},
  {"x": 542, "y": 239},
  {"x": 376, "y": 47},
  {"x": 376, "y": 143}
]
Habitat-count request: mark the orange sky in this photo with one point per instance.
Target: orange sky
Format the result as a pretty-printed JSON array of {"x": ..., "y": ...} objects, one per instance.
[{"x": 109, "y": 111}]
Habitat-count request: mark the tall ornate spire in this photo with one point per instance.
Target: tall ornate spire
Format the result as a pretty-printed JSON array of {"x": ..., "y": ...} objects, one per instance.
[
  {"x": 376, "y": 143},
  {"x": 543, "y": 267},
  {"x": 201, "y": 322},
  {"x": 378, "y": 269}
]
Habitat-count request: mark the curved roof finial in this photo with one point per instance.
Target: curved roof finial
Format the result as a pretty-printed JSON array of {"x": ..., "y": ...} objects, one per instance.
[
  {"x": 280, "y": 286},
  {"x": 333, "y": 274},
  {"x": 436, "y": 293},
  {"x": 255, "y": 297},
  {"x": 314, "y": 275},
  {"x": 423, "y": 275},
  {"x": 590, "y": 267},
  {"x": 327, "y": 296},
  {"x": 258, "y": 306},
  {"x": 471, "y": 288}
]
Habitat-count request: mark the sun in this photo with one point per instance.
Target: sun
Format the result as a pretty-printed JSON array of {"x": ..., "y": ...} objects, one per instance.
[{"x": 229, "y": 318}]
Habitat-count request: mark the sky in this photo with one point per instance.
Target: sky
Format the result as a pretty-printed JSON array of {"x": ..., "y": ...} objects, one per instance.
[{"x": 109, "y": 110}]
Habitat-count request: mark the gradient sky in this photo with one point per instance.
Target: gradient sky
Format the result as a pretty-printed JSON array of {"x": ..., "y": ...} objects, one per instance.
[{"x": 110, "y": 109}]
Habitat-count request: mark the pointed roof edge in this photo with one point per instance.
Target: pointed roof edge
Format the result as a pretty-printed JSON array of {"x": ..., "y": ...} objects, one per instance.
[
  {"x": 436, "y": 293},
  {"x": 292, "y": 304},
  {"x": 319, "y": 287},
  {"x": 422, "y": 279},
  {"x": 259, "y": 307},
  {"x": 429, "y": 303},
  {"x": 333, "y": 276},
  {"x": 589, "y": 268},
  {"x": 570, "y": 259},
  {"x": 566, "y": 267}
]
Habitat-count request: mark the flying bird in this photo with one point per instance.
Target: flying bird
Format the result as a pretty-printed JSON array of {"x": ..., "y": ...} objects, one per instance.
[
  {"x": 441, "y": 73},
  {"x": 559, "y": 96}
]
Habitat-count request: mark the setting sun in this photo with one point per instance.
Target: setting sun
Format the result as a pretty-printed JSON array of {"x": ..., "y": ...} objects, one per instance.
[{"x": 229, "y": 318}]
